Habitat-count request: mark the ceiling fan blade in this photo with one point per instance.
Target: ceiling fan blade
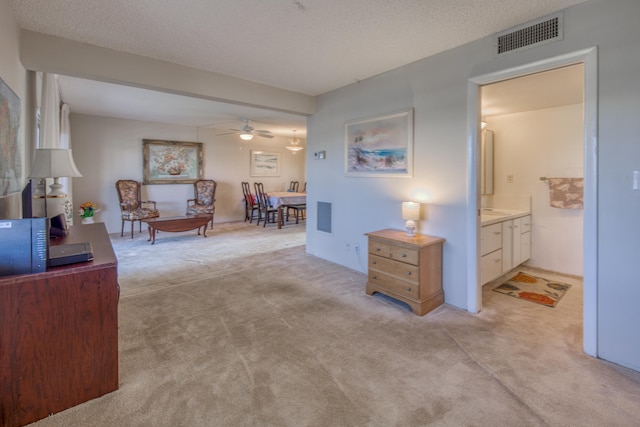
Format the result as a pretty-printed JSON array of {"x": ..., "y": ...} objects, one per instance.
[
  {"x": 263, "y": 135},
  {"x": 226, "y": 133}
]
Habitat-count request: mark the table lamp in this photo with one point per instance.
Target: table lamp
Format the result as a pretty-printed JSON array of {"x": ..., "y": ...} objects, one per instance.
[
  {"x": 53, "y": 163},
  {"x": 410, "y": 213}
]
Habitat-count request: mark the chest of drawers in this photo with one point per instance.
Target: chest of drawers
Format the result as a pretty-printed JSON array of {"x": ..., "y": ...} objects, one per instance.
[{"x": 408, "y": 269}]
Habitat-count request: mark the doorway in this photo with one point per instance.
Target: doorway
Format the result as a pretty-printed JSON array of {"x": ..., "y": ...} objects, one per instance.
[
  {"x": 588, "y": 58},
  {"x": 533, "y": 126}
]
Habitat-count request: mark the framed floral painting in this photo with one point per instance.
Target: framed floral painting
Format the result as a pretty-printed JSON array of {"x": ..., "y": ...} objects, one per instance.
[
  {"x": 380, "y": 146},
  {"x": 171, "y": 162}
]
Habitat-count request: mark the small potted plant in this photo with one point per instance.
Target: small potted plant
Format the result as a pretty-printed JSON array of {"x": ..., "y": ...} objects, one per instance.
[{"x": 87, "y": 212}]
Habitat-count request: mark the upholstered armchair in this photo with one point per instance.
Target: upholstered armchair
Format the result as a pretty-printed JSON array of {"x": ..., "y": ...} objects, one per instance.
[
  {"x": 204, "y": 191},
  {"x": 132, "y": 207}
]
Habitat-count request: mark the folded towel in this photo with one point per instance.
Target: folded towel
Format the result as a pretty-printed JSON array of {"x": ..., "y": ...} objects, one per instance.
[{"x": 566, "y": 193}]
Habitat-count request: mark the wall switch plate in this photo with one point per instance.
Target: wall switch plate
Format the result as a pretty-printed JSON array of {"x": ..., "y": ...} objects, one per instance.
[
  {"x": 636, "y": 180},
  {"x": 320, "y": 155},
  {"x": 510, "y": 179}
]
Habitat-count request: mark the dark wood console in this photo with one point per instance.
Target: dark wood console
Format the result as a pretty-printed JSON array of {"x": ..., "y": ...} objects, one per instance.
[{"x": 59, "y": 333}]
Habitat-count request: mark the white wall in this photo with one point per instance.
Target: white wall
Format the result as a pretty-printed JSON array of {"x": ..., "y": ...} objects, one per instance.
[
  {"x": 543, "y": 143},
  {"x": 13, "y": 74},
  {"x": 436, "y": 87},
  {"x": 106, "y": 150}
]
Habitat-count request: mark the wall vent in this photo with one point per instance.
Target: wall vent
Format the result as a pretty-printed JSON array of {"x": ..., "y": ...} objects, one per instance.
[
  {"x": 542, "y": 31},
  {"x": 324, "y": 217}
]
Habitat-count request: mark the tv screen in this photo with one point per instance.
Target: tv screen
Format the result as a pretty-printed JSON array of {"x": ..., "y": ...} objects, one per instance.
[{"x": 27, "y": 201}]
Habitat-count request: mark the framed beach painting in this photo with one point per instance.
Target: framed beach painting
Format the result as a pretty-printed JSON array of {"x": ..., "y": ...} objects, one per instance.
[
  {"x": 265, "y": 164},
  {"x": 380, "y": 146},
  {"x": 171, "y": 162}
]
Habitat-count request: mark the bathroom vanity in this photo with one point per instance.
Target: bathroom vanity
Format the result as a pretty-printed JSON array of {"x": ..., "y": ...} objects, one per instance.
[{"x": 505, "y": 241}]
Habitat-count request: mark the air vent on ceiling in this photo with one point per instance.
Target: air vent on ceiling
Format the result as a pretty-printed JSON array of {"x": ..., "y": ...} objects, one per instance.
[{"x": 542, "y": 31}]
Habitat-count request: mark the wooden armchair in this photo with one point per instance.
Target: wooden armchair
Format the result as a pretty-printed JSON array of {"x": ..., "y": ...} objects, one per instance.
[
  {"x": 204, "y": 191},
  {"x": 132, "y": 208},
  {"x": 250, "y": 203},
  {"x": 265, "y": 210}
]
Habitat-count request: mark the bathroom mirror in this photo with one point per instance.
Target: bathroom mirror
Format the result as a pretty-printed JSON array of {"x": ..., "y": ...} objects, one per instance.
[{"x": 486, "y": 162}]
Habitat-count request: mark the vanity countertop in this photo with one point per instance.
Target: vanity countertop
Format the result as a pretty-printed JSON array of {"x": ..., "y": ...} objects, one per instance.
[{"x": 490, "y": 216}]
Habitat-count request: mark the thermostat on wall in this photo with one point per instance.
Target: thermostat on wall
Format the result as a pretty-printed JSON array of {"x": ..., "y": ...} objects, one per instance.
[{"x": 320, "y": 155}]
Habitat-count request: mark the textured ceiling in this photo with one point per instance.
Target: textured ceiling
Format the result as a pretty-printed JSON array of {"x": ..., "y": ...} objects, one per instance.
[{"x": 307, "y": 46}]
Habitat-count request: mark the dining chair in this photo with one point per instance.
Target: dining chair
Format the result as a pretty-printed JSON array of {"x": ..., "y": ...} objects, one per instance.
[
  {"x": 132, "y": 208},
  {"x": 265, "y": 210},
  {"x": 298, "y": 210},
  {"x": 204, "y": 191},
  {"x": 251, "y": 210}
]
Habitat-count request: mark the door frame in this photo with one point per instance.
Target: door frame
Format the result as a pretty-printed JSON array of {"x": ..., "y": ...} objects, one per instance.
[{"x": 588, "y": 57}]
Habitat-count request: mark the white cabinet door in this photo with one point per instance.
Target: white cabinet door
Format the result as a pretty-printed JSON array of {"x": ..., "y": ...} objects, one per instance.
[
  {"x": 490, "y": 238},
  {"x": 526, "y": 247},
  {"x": 490, "y": 266}
]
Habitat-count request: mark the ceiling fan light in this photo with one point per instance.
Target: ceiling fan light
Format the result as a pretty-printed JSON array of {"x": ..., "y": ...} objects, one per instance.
[{"x": 246, "y": 136}]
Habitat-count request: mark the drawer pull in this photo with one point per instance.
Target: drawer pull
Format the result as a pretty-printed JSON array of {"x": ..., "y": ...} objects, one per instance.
[
  {"x": 497, "y": 232},
  {"x": 404, "y": 255},
  {"x": 408, "y": 273},
  {"x": 498, "y": 260},
  {"x": 375, "y": 277},
  {"x": 408, "y": 289},
  {"x": 378, "y": 249},
  {"x": 374, "y": 262}
]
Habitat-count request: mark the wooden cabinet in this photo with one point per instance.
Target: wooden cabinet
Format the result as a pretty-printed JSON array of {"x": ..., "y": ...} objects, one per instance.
[
  {"x": 59, "y": 333},
  {"x": 408, "y": 269}
]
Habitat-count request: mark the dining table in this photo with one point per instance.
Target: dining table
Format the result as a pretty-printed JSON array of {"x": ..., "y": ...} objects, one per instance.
[{"x": 280, "y": 199}]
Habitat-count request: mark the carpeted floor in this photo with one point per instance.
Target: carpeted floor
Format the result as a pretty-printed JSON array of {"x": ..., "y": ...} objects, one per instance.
[{"x": 244, "y": 328}]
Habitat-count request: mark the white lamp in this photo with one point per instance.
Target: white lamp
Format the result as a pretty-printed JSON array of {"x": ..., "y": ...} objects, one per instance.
[
  {"x": 410, "y": 213},
  {"x": 53, "y": 163},
  {"x": 246, "y": 136}
]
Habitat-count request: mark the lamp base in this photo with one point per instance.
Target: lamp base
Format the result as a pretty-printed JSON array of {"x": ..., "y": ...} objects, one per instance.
[{"x": 410, "y": 226}]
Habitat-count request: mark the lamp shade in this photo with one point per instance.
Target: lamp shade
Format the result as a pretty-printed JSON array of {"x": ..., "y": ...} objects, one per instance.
[
  {"x": 53, "y": 163},
  {"x": 246, "y": 136},
  {"x": 411, "y": 211}
]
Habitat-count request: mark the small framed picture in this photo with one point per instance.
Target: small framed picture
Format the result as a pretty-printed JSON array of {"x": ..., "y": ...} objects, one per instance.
[{"x": 265, "y": 164}]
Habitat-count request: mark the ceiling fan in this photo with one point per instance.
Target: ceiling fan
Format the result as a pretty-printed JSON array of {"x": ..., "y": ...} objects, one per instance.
[{"x": 247, "y": 132}]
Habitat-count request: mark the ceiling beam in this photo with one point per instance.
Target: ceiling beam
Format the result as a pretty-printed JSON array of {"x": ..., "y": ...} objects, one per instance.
[{"x": 41, "y": 52}]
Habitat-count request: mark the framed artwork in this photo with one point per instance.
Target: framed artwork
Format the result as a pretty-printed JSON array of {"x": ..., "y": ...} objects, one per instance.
[
  {"x": 265, "y": 164},
  {"x": 171, "y": 162},
  {"x": 10, "y": 146},
  {"x": 380, "y": 146}
]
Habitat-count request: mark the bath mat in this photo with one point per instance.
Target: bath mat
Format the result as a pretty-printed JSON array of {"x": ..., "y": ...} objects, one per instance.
[{"x": 534, "y": 289}]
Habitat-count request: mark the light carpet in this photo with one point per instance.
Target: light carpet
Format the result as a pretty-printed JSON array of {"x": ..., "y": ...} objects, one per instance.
[{"x": 244, "y": 328}]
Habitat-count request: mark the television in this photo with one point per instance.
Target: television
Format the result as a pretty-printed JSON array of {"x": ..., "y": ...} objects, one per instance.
[{"x": 24, "y": 246}]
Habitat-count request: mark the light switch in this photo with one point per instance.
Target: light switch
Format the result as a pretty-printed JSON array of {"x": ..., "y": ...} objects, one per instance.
[
  {"x": 510, "y": 179},
  {"x": 636, "y": 180}
]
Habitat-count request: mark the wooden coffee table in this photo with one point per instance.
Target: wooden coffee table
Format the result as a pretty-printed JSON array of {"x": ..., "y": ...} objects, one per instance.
[{"x": 177, "y": 223}]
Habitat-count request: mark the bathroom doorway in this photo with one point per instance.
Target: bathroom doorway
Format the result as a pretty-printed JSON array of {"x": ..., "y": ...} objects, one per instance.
[
  {"x": 588, "y": 60},
  {"x": 533, "y": 129}
]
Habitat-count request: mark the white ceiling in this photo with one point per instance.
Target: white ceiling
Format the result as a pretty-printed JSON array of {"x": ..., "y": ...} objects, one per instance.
[{"x": 307, "y": 46}]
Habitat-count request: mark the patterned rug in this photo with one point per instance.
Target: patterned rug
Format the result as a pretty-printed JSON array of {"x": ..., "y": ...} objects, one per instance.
[{"x": 534, "y": 289}]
